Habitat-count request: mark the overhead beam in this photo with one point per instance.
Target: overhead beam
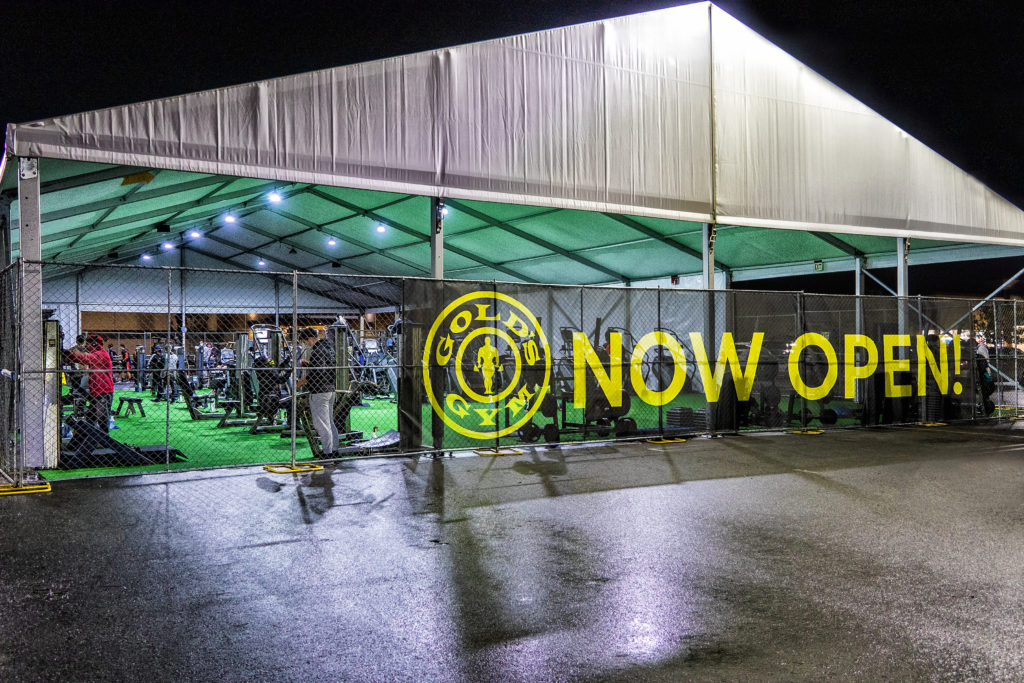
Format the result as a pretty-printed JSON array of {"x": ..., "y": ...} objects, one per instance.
[
  {"x": 292, "y": 266},
  {"x": 655, "y": 235},
  {"x": 550, "y": 246},
  {"x": 82, "y": 180},
  {"x": 370, "y": 249},
  {"x": 839, "y": 244},
  {"x": 276, "y": 278},
  {"x": 132, "y": 196},
  {"x": 162, "y": 213},
  {"x": 422, "y": 238},
  {"x": 127, "y": 195}
]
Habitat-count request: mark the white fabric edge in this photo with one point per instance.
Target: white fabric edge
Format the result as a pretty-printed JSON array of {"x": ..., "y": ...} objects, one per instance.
[{"x": 353, "y": 182}]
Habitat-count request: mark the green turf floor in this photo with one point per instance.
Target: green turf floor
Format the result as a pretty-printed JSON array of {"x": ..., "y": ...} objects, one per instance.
[{"x": 206, "y": 445}]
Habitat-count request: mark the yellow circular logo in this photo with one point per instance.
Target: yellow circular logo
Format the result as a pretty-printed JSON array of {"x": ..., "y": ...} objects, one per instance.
[{"x": 486, "y": 365}]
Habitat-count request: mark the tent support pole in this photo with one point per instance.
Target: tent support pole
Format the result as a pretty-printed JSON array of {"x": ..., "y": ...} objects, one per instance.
[
  {"x": 902, "y": 269},
  {"x": 708, "y": 233},
  {"x": 31, "y": 346},
  {"x": 437, "y": 238}
]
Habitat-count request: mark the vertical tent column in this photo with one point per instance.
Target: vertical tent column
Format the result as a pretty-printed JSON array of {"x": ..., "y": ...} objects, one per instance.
[
  {"x": 437, "y": 212},
  {"x": 902, "y": 269},
  {"x": 902, "y": 312},
  {"x": 31, "y": 347},
  {"x": 708, "y": 232},
  {"x": 858, "y": 313}
]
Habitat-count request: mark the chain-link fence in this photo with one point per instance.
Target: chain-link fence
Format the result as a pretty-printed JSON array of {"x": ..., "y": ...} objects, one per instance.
[
  {"x": 11, "y": 471},
  {"x": 173, "y": 368}
]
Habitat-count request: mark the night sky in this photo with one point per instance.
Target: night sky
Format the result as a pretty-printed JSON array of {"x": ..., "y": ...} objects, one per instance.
[{"x": 949, "y": 73}]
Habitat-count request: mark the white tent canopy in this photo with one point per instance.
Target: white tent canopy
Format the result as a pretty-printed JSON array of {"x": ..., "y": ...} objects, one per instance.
[{"x": 681, "y": 113}]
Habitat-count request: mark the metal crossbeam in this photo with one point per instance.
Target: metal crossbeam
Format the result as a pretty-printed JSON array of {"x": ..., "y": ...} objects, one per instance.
[
  {"x": 664, "y": 239},
  {"x": 839, "y": 244},
  {"x": 82, "y": 180},
  {"x": 162, "y": 213},
  {"x": 370, "y": 249},
  {"x": 125, "y": 197},
  {"x": 550, "y": 246},
  {"x": 276, "y": 278},
  {"x": 132, "y": 196},
  {"x": 423, "y": 238}
]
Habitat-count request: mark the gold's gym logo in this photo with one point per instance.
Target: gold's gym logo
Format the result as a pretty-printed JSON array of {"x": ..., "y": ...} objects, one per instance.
[{"x": 486, "y": 365}]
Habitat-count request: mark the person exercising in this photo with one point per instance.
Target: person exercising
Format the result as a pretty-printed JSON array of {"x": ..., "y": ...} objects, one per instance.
[
  {"x": 487, "y": 364},
  {"x": 101, "y": 379}
]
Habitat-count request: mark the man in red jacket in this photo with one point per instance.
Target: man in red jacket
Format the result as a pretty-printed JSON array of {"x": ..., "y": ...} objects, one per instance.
[{"x": 101, "y": 379}]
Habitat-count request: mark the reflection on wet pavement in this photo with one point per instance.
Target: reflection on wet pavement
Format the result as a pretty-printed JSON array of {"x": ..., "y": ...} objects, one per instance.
[{"x": 888, "y": 554}]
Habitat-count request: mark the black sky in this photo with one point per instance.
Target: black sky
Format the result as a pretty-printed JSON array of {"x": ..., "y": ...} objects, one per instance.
[{"x": 950, "y": 73}]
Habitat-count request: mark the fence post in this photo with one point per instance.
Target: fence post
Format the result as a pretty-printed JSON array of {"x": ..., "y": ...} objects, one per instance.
[
  {"x": 19, "y": 388},
  {"x": 998, "y": 394},
  {"x": 922, "y": 400},
  {"x": 167, "y": 379},
  {"x": 295, "y": 355},
  {"x": 658, "y": 375},
  {"x": 801, "y": 325},
  {"x": 972, "y": 366}
]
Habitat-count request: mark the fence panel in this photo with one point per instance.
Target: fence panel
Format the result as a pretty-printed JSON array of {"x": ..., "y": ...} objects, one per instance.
[
  {"x": 11, "y": 471},
  {"x": 214, "y": 368}
]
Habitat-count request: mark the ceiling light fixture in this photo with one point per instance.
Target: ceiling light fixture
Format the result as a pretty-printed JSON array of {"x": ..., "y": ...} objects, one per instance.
[{"x": 381, "y": 227}]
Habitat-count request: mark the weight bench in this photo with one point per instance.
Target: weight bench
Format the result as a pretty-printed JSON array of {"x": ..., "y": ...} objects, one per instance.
[{"x": 132, "y": 401}]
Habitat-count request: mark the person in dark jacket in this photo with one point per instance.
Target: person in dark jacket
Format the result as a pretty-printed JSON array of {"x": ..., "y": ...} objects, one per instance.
[{"x": 319, "y": 380}]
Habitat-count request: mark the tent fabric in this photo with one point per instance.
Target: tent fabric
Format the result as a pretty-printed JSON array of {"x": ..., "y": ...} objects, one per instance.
[{"x": 681, "y": 113}]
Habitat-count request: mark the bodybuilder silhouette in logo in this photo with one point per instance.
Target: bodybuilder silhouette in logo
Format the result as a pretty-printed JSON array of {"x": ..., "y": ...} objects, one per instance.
[{"x": 487, "y": 364}]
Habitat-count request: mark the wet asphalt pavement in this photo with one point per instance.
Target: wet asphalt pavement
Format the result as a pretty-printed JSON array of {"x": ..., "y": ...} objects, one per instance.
[{"x": 893, "y": 554}]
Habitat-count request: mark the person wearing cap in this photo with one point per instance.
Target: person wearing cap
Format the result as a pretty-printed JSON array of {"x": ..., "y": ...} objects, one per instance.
[{"x": 101, "y": 379}]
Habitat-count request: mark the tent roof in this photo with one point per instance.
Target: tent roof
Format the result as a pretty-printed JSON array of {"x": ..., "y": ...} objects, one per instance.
[
  {"x": 583, "y": 154},
  {"x": 95, "y": 213}
]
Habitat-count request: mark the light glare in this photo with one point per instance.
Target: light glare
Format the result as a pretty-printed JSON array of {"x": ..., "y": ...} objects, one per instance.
[
  {"x": 195, "y": 234},
  {"x": 274, "y": 197},
  {"x": 146, "y": 257},
  {"x": 381, "y": 227},
  {"x": 229, "y": 218}
]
